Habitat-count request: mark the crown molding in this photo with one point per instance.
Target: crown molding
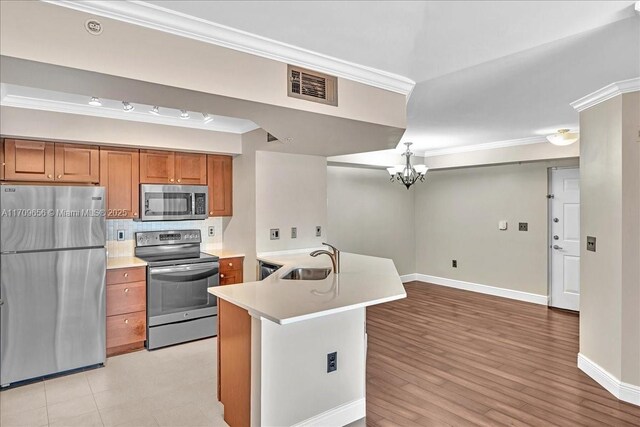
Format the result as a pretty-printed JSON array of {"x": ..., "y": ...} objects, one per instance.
[
  {"x": 607, "y": 92},
  {"x": 18, "y": 101},
  {"x": 485, "y": 146},
  {"x": 158, "y": 18}
]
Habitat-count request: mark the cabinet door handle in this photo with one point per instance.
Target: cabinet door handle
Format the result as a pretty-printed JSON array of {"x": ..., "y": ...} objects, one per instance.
[
  {"x": 126, "y": 290},
  {"x": 222, "y": 276},
  {"x": 126, "y": 274},
  {"x": 170, "y": 179},
  {"x": 126, "y": 321},
  {"x": 49, "y": 176},
  {"x": 211, "y": 213},
  {"x": 178, "y": 180},
  {"x": 135, "y": 214},
  {"x": 59, "y": 176},
  {"x": 230, "y": 264}
]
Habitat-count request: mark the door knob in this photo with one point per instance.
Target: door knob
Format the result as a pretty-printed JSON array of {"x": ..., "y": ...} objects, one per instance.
[
  {"x": 556, "y": 237},
  {"x": 556, "y": 247},
  {"x": 556, "y": 220}
]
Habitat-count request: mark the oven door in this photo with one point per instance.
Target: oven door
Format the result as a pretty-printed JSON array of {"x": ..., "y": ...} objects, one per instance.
[
  {"x": 178, "y": 293},
  {"x": 173, "y": 202}
]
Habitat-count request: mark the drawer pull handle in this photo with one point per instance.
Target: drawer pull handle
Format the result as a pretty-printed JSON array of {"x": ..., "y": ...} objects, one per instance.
[
  {"x": 126, "y": 290},
  {"x": 126, "y": 274},
  {"x": 126, "y": 321}
]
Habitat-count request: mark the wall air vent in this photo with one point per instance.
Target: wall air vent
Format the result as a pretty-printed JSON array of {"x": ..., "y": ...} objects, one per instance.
[{"x": 312, "y": 86}]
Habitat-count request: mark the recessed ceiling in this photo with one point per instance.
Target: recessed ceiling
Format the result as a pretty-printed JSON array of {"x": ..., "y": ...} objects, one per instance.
[
  {"x": 485, "y": 71},
  {"x": 49, "y": 100}
]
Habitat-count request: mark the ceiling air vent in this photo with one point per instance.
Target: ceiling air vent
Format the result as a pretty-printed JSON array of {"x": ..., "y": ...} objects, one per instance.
[{"x": 312, "y": 86}]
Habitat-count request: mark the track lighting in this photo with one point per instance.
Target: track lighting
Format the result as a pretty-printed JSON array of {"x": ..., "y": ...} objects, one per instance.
[
  {"x": 126, "y": 106},
  {"x": 95, "y": 101},
  {"x": 155, "y": 110},
  {"x": 184, "y": 115}
]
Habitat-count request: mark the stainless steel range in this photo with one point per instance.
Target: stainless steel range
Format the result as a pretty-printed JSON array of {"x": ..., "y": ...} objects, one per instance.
[{"x": 179, "y": 308}]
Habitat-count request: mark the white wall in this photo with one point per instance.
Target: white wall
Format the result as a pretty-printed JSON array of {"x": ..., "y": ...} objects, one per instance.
[
  {"x": 295, "y": 385},
  {"x": 372, "y": 216},
  {"x": 291, "y": 191}
]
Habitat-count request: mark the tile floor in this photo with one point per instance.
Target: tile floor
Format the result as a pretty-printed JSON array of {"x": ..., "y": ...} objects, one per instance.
[{"x": 174, "y": 386}]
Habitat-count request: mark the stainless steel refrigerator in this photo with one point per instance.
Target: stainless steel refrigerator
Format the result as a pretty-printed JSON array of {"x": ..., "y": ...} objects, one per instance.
[{"x": 52, "y": 280}]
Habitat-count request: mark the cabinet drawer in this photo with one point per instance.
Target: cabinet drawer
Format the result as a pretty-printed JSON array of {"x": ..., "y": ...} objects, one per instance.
[
  {"x": 126, "y": 298},
  {"x": 230, "y": 264},
  {"x": 230, "y": 278},
  {"x": 126, "y": 329},
  {"x": 126, "y": 275}
]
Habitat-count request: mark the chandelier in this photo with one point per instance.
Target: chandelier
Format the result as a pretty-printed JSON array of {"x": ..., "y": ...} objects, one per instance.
[{"x": 408, "y": 174}]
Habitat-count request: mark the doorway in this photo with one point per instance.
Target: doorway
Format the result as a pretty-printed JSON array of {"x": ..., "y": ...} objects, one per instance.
[{"x": 564, "y": 238}]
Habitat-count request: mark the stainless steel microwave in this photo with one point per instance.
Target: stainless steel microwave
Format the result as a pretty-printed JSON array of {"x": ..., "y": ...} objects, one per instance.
[{"x": 173, "y": 202}]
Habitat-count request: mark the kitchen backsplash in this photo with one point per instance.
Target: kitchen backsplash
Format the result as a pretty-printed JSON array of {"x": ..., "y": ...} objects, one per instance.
[{"x": 125, "y": 247}]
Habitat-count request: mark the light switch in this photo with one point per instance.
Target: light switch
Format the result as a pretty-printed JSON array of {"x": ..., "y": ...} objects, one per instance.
[{"x": 502, "y": 225}]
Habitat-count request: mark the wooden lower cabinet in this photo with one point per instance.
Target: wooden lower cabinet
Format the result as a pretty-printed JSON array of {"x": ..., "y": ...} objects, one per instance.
[
  {"x": 234, "y": 363},
  {"x": 2, "y": 159},
  {"x": 231, "y": 270},
  {"x": 126, "y": 310}
]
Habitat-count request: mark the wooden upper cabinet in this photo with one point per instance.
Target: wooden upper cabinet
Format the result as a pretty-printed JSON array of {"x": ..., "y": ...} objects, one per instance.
[
  {"x": 77, "y": 163},
  {"x": 191, "y": 168},
  {"x": 120, "y": 175},
  {"x": 220, "y": 182},
  {"x": 28, "y": 160},
  {"x": 157, "y": 167},
  {"x": 1, "y": 158}
]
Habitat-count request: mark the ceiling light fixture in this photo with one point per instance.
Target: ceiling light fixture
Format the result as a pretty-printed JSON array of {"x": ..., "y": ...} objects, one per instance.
[
  {"x": 127, "y": 107},
  {"x": 563, "y": 137},
  {"x": 206, "y": 118},
  {"x": 155, "y": 110},
  {"x": 95, "y": 101},
  {"x": 408, "y": 174},
  {"x": 184, "y": 115}
]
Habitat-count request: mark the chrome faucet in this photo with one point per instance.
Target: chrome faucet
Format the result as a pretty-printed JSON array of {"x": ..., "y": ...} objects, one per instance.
[{"x": 334, "y": 255}]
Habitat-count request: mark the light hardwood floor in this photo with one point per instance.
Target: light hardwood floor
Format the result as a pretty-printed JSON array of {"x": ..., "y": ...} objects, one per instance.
[{"x": 444, "y": 356}]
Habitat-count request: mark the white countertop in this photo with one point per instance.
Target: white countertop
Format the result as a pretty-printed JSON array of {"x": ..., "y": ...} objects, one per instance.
[
  {"x": 363, "y": 281},
  {"x": 124, "y": 262}
]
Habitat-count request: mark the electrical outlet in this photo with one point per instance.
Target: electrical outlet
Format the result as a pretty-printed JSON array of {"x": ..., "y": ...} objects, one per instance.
[
  {"x": 591, "y": 243},
  {"x": 332, "y": 362},
  {"x": 275, "y": 233},
  {"x": 294, "y": 232},
  {"x": 211, "y": 230},
  {"x": 318, "y": 231},
  {"x": 120, "y": 235},
  {"x": 454, "y": 263},
  {"x": 523, "y": 226}
]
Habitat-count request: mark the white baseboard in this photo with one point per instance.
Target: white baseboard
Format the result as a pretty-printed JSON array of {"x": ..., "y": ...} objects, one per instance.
[
  {"x": 624, "y": 391},
  {"x": 483, "y": 289},
  {"x": 338, "y": 416},
  {"x": 408, "y": 278}
]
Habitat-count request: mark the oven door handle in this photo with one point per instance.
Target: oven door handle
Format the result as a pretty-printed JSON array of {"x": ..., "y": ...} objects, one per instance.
[{"x": 184, "y": 274}]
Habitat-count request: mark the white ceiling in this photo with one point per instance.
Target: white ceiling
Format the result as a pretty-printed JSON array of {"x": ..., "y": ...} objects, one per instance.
[{"x": 485, "y": 71}]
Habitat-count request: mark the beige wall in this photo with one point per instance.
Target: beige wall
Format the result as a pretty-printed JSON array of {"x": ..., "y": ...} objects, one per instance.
[
  {"x": 369, "y": 215},
  {"x": 167, "y": 59},
  {"x": 457, "y": 214},
  {"x": 610, "y": 277},
  {"x": 291, "y": 191},
  {"x": 26, "y": 123}
]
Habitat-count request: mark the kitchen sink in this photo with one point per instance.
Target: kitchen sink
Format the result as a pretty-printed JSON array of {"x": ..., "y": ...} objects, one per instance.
[{"x": 307, "y": 274}]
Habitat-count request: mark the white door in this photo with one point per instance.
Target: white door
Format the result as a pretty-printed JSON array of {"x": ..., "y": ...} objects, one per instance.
[{"x": 564, "y": 239}]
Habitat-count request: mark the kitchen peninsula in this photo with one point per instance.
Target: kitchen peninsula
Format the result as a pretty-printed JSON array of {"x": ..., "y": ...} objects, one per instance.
[{"x": 294, "y": 351}]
